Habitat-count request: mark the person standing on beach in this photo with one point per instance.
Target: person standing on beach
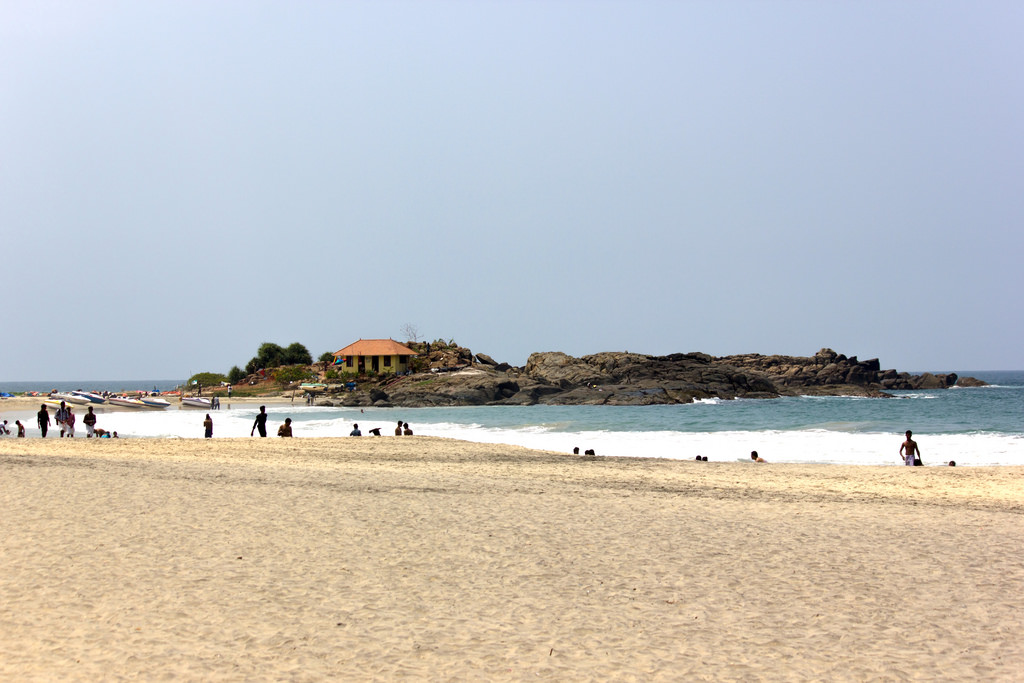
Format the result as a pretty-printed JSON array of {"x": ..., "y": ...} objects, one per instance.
[
  {"x": 405, "y": 430},
  {"x": 398, "y": 429},
  {"x": 61, "y": 417},
  {"x": 69, "y": 423},
  {"x": 43, "y": 419},
  {"x": 208, "y": 426},
  {"x": 90, "y": 423},
  {"x": 286, "y": 428},
  {"x": 260, "y": 423},
  {"x": 21, "y": 428},
  {"x": 909, "y": 450},
  {"x": 355, "y": 431}
]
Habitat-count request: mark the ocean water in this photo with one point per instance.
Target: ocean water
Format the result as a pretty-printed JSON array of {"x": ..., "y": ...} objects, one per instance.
[
  {"x": 973, "y": 426},
  {"x": 92, "y": 385}
]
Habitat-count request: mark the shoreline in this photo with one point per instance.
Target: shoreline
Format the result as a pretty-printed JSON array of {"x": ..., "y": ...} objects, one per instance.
[
  {"x": 611, "y": 431},
  {"x": 434, "y": 558}
]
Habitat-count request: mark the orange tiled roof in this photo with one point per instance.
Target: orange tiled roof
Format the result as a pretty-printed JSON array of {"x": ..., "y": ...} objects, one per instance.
[{"x": 375, "y": 347}]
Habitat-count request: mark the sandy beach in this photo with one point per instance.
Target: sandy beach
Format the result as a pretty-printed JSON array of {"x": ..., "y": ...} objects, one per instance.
[{"x": 426, "y": 558}]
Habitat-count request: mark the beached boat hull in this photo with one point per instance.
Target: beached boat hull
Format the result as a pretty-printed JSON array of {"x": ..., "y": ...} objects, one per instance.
[
  {"x": 89, "y": 396},
  {"x": 126, "y": 402},
  {"x": 196, "y": 402},
  {"x": 70, "y": 398},
  {"x": 155, "y": 403}
]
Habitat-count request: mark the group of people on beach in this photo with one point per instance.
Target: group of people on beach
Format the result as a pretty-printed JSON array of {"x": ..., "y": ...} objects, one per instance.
[
  {"x": 285, "y": 430},
  {"x": 6, "y": 431},
  {"x": 401, "y": 430},
  {"x": 65, "y": 418},
  {"x": 909, "y": 451}
]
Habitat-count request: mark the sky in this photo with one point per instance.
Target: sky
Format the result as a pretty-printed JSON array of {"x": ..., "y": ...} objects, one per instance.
[{"x": 181, "y": 181}]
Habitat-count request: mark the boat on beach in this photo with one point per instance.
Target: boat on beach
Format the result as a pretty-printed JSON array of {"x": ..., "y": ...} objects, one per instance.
[
  {"x": 70, "y": 398},
  {"x": 89, "y": 397},
  {"x": 125, "y": 401},
  {"x": 196, "y": 402},
  {"x": 151, "y": 402}
]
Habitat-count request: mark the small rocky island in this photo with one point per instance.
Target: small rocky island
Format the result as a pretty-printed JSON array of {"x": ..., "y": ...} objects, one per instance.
[{"x": 454, "y": 376}]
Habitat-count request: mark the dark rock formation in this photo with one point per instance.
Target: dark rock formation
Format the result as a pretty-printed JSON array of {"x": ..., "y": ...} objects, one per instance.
[{"x": 451, "y": 379}]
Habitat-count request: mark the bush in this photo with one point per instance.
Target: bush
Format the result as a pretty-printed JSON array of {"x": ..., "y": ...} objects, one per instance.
[
  {"x": 331, "y": 374},
  {"x": 292, "y": 373},
  {"x": 235, "y": 375},
  {"x": 207, "y": 379}
]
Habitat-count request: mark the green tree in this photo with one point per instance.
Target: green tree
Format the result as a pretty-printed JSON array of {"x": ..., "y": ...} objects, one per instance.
[
  {"x": 326, "y": 357},
  {"x": 297, "y": 354},
  {"x": 207, "y": 379},
  {"x": 235, "y": 374},
  {"x": 270, "y": 355}
]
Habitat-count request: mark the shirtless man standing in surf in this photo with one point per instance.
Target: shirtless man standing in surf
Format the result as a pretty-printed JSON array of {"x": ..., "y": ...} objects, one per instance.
[{"x": 909, "y": 450}]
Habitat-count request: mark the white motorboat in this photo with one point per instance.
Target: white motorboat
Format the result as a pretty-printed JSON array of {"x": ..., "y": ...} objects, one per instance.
[
  {"x": 70, "y": 398},
  {"x": 126, "y": 402},
  {"x": 153, "y": 402},
  {"x": 196, "y": 402},
  {"x": 89, "y": 396}
]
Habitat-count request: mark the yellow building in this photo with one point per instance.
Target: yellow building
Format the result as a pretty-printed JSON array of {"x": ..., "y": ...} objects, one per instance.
[{"x": 382, "y": 356}]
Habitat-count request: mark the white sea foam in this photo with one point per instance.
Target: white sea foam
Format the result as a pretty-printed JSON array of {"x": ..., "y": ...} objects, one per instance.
[
  {"x": 838, "y": 444},
  {"x": 806, "y": 446}
]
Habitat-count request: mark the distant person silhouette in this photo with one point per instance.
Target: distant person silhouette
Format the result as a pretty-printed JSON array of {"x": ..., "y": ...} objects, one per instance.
[
  {"x": 260, "y": 423},
  {"x": 43, "y": 419}
]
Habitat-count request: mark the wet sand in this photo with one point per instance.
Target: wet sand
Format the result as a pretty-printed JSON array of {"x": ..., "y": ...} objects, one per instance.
[{"x": 427, "y": 558}]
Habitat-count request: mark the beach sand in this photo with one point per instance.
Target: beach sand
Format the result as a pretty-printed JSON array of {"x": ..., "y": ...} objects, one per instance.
[{"x": 426, "y": 558}]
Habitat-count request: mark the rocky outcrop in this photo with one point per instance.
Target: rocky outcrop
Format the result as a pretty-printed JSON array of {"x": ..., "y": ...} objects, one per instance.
[
  {"x": 827, "y": 368},
  {"x": 614, "y": 378}
]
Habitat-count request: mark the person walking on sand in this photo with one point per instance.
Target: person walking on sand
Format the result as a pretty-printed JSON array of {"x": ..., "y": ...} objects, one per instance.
[
  {"x": 910, "y": 452},
  {"x": 21, "y": 428},
  {"x": 69, "y": 423},
  {"x": 90, "y": 423},
  {"x": 43, "y": 419},
  {"x": 61, "y": 417},
  {"x": 260, "y": 423},
  {"x": 208, "y": 426}
]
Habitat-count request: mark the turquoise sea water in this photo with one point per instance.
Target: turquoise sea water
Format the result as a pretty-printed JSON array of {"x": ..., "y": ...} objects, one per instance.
[{"x": 972, "y": 426}]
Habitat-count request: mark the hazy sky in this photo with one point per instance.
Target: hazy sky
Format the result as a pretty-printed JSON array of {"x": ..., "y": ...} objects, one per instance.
[{"x": 182, "y": 181}]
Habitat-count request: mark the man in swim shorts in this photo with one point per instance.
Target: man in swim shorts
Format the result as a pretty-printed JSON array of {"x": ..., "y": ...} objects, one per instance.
[
  {"x": 909, "y": 450},
  {"x": 90, "y": 423}
]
